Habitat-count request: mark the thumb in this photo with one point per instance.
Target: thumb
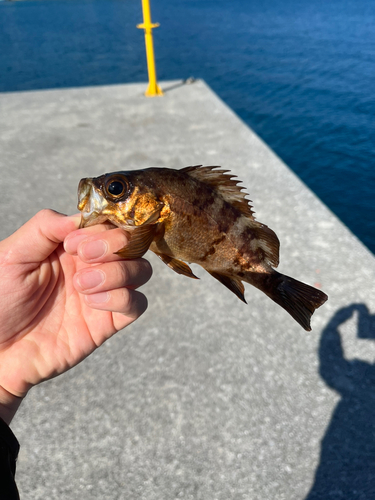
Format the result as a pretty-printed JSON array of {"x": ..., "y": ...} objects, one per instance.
[{"x": 39, "y": 237}]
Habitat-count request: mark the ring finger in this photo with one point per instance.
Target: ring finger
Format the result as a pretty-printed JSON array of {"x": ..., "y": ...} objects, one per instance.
[
  {"x": 130, "y": 274},
  {"x": 129, "y": 303}
]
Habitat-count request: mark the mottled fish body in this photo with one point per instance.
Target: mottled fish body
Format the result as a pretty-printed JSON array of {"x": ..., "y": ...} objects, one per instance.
[{"x": 197, "y": 215}]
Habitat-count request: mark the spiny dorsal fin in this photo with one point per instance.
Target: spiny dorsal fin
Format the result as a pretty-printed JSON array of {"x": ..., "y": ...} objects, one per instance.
[{"x": 225, "y": 184}]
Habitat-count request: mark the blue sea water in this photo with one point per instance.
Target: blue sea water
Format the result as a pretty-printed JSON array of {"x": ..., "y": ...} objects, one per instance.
[{"x": 300, "y": 73}]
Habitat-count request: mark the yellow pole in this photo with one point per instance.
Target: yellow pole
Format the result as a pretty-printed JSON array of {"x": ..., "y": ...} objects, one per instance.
[{"x": 153, "y": 87}]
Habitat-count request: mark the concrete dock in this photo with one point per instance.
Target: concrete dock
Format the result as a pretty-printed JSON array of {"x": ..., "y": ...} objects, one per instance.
[{"x": 204, "y": 397}]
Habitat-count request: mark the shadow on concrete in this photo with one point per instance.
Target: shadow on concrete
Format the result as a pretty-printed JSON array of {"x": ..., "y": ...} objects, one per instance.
[
  {"x": 347, "y": 462},
  {"x": 187, "y": 81}
]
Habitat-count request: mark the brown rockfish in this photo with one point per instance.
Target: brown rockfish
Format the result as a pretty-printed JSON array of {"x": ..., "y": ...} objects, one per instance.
[{"x": 199, "y": 215}]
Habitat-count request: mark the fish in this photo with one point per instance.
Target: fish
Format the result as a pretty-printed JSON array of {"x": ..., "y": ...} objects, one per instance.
[{"x": 197, "y": 214}]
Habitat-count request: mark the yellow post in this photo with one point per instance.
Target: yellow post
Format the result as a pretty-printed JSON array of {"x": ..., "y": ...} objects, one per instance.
[{"x": 153, "y": 87}]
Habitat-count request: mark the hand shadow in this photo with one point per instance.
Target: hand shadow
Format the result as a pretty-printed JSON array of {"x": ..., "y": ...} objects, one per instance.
[{"x": 347, "y": 462}]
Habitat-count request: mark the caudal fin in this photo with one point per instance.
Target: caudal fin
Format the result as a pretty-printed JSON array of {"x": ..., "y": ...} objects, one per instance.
[{"x": 297, "y": 298}]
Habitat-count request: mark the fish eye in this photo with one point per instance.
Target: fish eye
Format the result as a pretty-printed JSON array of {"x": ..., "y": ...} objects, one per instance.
[{"x": 116, "y": 188}]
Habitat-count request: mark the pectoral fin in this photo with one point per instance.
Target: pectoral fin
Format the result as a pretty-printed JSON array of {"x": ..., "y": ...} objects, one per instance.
[
  {"x": 140, "y": 240},
  {"x": 177, "y": 265},
  {"x": 235, "y": 285}
]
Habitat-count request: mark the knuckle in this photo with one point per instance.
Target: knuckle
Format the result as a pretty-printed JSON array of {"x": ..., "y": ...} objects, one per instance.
[{"x": 46, "y": 213}]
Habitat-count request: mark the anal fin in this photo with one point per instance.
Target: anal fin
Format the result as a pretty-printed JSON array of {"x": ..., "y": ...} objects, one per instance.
[
  {"x": 235, "y": 285},
  {"x": 177, "y": 265}
]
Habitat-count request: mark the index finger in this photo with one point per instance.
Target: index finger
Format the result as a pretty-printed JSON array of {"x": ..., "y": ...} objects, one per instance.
[
  {"x": 74, "y": 238},
  {"x": 97, "y": 243}
]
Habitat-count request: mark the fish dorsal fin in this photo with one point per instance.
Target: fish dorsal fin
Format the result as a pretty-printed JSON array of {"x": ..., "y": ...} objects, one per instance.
[{"x": 225, "y": 184}]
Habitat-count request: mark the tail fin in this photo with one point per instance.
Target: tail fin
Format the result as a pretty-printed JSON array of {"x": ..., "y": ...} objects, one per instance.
[{"x": 297, "y": 298}]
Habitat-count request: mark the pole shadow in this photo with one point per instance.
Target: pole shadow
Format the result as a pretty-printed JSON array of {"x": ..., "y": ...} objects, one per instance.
[
  {"x": 347, "y": 463},
  {"x": 187, "y": 81}
]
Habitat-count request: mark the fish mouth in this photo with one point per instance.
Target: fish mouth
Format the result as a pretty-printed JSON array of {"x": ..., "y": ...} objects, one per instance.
[{"x": 91, "y": 204}]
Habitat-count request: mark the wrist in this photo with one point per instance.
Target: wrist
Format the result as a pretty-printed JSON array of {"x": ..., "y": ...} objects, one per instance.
[{"x": 9, "y": 404}]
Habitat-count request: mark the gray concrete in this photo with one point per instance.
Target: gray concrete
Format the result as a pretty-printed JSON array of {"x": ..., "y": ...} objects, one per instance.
[{"x": 203, "y": 397}]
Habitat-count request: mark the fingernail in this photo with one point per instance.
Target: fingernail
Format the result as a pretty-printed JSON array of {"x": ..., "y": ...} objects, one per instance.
[
  {"x": 97, "y": 298},
  {"x": 71, "y": 243},
  {"x": 90, "y": 279},
  {"x": 94, "y": 249}
]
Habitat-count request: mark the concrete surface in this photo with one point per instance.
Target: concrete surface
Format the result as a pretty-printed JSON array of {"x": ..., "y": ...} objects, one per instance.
[{"x": 203, "y": 397}]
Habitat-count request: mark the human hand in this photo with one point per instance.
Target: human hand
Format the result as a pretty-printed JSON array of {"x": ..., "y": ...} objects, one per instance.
[{"x": 57, "y": 306}]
